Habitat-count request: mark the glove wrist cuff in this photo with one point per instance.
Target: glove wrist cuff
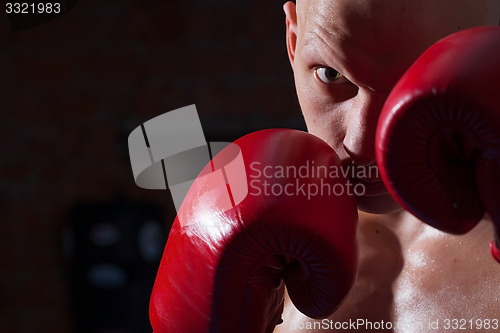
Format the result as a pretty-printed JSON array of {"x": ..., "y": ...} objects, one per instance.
[{"x": 495, "y": 251}]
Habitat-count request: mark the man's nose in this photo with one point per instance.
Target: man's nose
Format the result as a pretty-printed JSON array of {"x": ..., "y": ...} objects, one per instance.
[{"x": 360, "y": 121}]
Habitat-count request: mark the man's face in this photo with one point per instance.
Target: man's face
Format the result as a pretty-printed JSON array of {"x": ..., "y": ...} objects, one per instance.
[{"x": 347, "y": 55}]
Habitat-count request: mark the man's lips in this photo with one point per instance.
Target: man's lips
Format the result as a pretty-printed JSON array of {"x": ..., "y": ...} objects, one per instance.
[
  {"x": 369, "y": 187},
  {"x": 365, "y": 178},
  {"x": 371, "y": 194}
]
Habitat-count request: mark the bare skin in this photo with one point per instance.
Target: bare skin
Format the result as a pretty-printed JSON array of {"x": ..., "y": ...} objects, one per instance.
[
  {"x": 412, "y": 275},
  {"x": 346, "y": 56}
]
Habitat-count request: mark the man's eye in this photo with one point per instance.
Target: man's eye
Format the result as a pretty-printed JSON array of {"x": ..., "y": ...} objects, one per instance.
[{"x": 327, "y": 74}]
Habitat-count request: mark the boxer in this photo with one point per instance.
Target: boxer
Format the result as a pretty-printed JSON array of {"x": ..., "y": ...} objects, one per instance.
[{"x": 346, "y": 58}]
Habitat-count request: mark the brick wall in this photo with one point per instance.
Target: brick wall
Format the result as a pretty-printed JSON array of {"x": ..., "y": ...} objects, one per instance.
[{"x": 73, "y": 88}]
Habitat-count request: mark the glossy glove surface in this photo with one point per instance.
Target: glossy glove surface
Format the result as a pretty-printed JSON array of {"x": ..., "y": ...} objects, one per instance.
[
  {"x": 224, "y": 270},
  {"x": 438, "y": 137}
]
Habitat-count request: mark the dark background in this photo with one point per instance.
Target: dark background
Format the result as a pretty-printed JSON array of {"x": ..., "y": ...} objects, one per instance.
[{"x": 72, "y": 89}]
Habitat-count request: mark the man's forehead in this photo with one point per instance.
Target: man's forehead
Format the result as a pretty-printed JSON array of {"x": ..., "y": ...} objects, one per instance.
[
  {"x": 365, "y": 36},
  {"x": 342, "y": 12},
  {"x": 364, "y": 22},
  {"x": 377, "y": 40}
]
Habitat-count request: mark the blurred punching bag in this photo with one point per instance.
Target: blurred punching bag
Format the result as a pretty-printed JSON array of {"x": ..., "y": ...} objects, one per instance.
[{"x": 113, "y": 250}]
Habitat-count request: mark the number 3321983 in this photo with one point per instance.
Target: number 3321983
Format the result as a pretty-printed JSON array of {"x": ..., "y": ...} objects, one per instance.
[{"x": 32, "y": 8}]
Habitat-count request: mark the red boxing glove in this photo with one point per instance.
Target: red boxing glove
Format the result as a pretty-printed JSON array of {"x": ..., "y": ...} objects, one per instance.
[
  {"x": 224, "y": 270},
  {"x": 438, "y": 136}
]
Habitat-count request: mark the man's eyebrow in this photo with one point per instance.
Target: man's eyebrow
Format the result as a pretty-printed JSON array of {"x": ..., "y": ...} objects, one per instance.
[
  {"x": 316, "y": 40},
  {"x": 328, "y": 34}
]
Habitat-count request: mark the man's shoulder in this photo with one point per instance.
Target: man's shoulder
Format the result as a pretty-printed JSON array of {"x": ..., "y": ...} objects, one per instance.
[{"x": 450, "y": 276}]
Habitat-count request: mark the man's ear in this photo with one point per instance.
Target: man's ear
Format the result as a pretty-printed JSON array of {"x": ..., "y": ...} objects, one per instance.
[{"x": 291, "y": 29}]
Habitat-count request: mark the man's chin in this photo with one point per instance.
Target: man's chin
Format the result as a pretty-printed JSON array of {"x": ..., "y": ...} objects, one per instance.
[{"x": 379, "y": 204}]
